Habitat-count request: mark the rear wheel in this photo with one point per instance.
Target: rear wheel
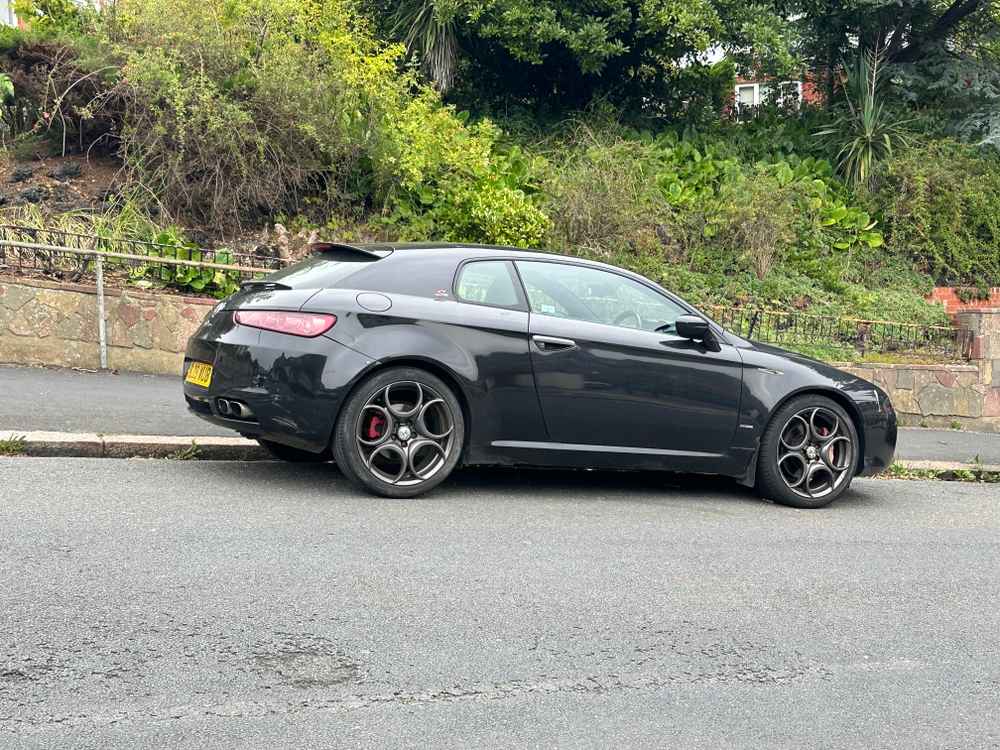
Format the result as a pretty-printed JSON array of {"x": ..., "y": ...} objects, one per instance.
[
  {"x": 808, "y": 454},
  {"x": 400, "y": 433},
  {"x": 293, "y": 455}
]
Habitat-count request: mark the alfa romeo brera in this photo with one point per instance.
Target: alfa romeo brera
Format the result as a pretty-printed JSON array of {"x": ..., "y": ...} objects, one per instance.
[{"x": 401, "y": 362}]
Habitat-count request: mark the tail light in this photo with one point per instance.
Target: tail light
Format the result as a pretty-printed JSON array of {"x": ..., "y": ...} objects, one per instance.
[{"x": 309, "y": 325}]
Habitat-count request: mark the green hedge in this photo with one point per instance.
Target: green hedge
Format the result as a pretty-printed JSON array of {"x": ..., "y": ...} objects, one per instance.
[{"x": 941, "y": 206}]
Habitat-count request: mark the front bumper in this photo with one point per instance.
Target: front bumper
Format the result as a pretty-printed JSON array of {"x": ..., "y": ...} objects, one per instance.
[
  {"x": 880, "y": 432},
  {"x": 293, "y": 385}
]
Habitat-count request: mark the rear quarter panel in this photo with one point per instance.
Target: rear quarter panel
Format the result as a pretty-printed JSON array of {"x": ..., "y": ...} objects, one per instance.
[{"x": 482, "y": 350}]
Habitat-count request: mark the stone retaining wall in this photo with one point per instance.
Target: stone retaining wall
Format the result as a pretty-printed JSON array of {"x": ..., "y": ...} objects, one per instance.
[
  {"x": 948, "y": 395},
  {"x": 937, "y": 395},
  {"x": 48, "y": 323}
]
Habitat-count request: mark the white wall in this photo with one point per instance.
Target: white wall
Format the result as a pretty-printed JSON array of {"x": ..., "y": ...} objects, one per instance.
[{"x": 7, "y": 13}]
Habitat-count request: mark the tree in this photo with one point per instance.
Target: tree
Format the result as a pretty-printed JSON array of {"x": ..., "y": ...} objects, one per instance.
[
  {"x": 906, "y": 30},
  {"x": 866, "y": 132},
  {"x": 942, "y": 54},
  {"x": 563, "y": 54},
  {"x": 428, "y": 30}
]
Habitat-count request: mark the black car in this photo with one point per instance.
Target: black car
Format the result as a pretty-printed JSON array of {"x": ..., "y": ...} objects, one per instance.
[{"x": 406, "y": 360}]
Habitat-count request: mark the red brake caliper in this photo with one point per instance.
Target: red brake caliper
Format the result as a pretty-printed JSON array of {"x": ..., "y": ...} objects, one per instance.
[{"x": 374, "y": 427}]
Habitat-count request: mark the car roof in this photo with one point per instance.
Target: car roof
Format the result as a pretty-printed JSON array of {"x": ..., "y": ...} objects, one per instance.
[
  {"x": 463, "y": 250},
  {"x": 467, "y": 251}
]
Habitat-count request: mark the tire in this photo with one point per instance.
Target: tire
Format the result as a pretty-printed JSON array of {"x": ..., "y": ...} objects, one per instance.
[
  {"x": 405, "y": 446},
  {"x": 817, "y": 472},
  {"x": 293, "y": 455}
]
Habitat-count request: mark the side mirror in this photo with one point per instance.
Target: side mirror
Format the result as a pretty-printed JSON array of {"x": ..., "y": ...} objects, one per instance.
[{"x": 692, "y": 327}]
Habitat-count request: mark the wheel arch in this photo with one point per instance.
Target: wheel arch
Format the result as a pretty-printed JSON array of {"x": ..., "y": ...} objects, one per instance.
[
  {"x": 838, "y": 397},
  {"x": 749, "y": 477},
  {"x": 421, "y": 363}
]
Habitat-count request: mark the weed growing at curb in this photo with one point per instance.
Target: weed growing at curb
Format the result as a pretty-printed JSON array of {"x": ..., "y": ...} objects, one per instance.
[
  {"x": 190, "y": 453},
  {"x": 901, "y": 471},
  {"x": 12, "y": 446}
]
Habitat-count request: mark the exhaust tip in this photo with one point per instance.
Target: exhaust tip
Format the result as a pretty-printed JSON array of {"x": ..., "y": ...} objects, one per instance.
[
  {"x": 245, "y": 411},
  {"x": 233, "y": 409}
]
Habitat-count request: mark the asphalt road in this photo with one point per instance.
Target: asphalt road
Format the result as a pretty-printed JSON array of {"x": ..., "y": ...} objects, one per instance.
[
  {"x": 34, "y": 398},
  {"x": 917, "y": 444},
  {"x": 221, "y": 605}
]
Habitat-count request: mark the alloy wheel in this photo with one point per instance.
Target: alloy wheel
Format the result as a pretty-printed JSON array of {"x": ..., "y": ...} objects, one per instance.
[
  {"x": 405, "y": 433},
  {"x": 815, "y": 453}
]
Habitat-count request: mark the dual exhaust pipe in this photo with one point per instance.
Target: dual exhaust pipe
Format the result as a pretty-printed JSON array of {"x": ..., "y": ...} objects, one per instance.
[{"x": 233, "y": 409}]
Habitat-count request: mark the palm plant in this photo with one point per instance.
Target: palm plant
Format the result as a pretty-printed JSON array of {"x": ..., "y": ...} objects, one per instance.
[
  {"x": 865, "y": 133},
  {"x": 428, "y": 29}
]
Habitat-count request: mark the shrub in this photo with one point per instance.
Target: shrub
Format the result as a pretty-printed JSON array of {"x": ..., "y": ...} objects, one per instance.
[
  {"x": 941, "y": 208},
  {"x": 603, "y": 196},
  {"x": 63, "y": 95},
  {"x": 865, "y": 132},
  {"x": 239, "y": 109},
  {"x": 52, "y": 15},
  {"x": 445, "y": 179},
  {"x": 757, "y": 220}
]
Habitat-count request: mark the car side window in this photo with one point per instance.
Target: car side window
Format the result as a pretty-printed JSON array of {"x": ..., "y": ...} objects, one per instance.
[
  {"x": 487, "y": 282},
  {"x": 590, "y": 294}
]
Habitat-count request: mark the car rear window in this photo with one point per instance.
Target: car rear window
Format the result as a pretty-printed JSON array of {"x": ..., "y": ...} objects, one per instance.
[
  {"x": 415, "y": 272},
  {"x": 419, "y": 273},
  {"x": 323, "y": 270}
]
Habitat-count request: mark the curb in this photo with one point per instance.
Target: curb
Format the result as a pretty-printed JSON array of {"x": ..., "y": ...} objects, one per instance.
[
  {"x": 947, "y": 466},
  {"x": 205, "y": 448},
  {"x": 93, "y": 445}
]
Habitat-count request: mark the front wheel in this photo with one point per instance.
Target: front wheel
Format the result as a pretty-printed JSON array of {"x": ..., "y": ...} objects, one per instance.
[
  {"x": 809, "y": 453},
  {"x": 400, "y": 433}
]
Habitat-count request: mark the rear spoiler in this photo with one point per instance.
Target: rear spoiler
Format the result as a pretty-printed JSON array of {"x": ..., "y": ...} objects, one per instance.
[
  {"x": 263, "y": 284},
  {"x": 371, "y": 251}
]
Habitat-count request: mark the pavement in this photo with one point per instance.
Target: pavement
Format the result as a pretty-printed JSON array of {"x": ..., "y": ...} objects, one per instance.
[
  {"x": 224, "y": 604},
  {"x": 90, "y": 406},
  {"x": 55, "y": 400}
]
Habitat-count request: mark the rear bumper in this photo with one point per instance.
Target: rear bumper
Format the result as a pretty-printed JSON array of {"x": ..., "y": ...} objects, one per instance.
[{"x": 293, "y": 385}]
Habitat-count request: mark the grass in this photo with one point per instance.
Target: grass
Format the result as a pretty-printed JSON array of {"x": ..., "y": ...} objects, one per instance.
[
  {"x": 901, "y": 471},
  {"x": 12, "y": 446},
  {"x": 190, "y": 453},
  {"x": 832, "y": 352}
]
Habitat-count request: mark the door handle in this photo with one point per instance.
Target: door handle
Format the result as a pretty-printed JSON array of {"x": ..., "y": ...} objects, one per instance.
[{"x": 549, "y": 344}]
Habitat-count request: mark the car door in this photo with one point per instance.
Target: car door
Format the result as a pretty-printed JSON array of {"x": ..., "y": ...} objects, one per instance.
[
  {"x": 605, "y": 376},
  {"x": 490, "y": 327}
]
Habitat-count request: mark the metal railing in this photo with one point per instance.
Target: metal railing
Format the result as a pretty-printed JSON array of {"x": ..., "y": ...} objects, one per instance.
[
  {"x": 72, "y": 257},
  {"x": 69, "y": 256},
  {"x": 863, "y": 336}
]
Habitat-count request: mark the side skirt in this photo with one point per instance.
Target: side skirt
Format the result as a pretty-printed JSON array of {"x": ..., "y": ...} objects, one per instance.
[{"x": 581, "y": 455}]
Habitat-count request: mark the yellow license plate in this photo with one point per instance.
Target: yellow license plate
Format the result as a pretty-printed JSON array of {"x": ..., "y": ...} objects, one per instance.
[{"x": 200, "y": 373}]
